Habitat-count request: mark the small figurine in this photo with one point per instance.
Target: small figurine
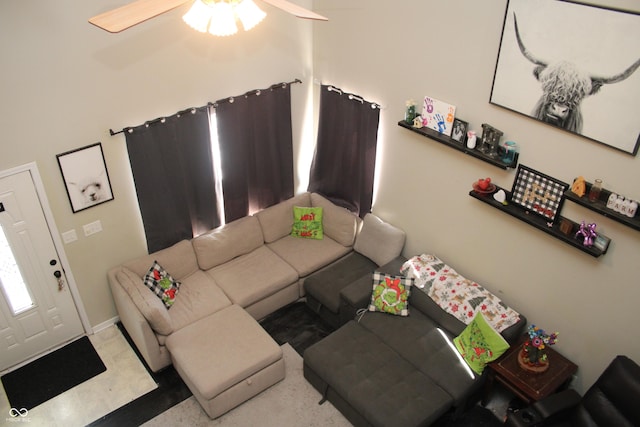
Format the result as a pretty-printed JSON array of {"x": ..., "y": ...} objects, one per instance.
[
  {"x": 579, "y": 187},
  {"x": 588, "y": 232},
  {"x": 418, "y": 123}
]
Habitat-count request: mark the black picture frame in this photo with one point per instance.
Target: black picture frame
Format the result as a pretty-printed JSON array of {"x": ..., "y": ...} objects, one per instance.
[
  {"x": 459, "y": 132},
  {"x": 538, "y": 193},
  {"x": 545, "y": 39},
  {"x": 85, "y": 176}
]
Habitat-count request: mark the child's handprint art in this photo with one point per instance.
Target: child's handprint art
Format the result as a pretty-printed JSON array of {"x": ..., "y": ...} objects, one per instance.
[{"x": 438, "y": 115}]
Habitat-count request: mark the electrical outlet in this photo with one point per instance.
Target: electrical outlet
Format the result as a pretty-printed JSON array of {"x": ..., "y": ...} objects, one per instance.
[
  {"x": 69, "y": 236},
  {"x": 92, "y": 228}
]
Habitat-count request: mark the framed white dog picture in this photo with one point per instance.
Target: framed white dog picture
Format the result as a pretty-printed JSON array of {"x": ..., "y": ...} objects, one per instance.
[{"x": 85, "y": 176}]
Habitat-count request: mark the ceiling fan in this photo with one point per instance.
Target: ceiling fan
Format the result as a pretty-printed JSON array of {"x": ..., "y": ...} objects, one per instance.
[{"x": 131, "y": 14}]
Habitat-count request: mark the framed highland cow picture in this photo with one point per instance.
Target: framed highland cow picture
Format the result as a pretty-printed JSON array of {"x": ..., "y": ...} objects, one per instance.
[{"x": 573, "y": 66}]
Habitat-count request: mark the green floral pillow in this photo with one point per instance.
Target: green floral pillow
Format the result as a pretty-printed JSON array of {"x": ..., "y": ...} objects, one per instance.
[
  {"x": 390, "y": 294},
  {"x": 307, "y": 223},
  {"x": 480, "y": 344},
  {"x": 162, "y": 284}
]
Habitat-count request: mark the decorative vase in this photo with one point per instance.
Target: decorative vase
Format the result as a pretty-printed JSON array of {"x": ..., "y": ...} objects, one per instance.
[
  {"x": 471, "y": 139},
  {"x": 537, "y": 366}
]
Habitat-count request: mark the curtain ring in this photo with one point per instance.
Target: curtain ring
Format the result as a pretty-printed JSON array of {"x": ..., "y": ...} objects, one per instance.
[
  {"x": 231, "y": 100},
  {"x": 258, "y": 92}
]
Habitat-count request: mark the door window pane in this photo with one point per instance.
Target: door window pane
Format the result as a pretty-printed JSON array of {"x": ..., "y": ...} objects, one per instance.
[{"x": 11, "y": 279}]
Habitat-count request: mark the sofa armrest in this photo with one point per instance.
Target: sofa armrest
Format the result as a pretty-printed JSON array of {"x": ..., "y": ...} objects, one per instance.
[
  {"x": 549, "y": 407},
  {"x": 379, "y": 241},
  {"x": 138, "y": 328}
]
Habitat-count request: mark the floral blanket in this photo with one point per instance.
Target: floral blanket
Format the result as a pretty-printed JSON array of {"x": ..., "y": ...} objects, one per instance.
[{"x": 458, "y": 296}]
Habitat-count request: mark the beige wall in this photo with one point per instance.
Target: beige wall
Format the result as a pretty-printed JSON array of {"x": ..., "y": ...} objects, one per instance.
[
  {"x": 65, "y": 83},
  {"x": 380, "y": 49}
]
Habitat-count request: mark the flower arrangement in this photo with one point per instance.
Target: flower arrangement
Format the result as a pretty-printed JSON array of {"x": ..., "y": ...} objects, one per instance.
[{"x": 533, "y": 348}]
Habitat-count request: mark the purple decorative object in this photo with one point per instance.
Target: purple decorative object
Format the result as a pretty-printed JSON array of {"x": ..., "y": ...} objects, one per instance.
[{"x": 588, "y": 232}]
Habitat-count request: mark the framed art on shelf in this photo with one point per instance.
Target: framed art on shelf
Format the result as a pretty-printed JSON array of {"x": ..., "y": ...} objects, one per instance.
[
  {"x": 554, "y": 68},
  {"x": 538, "y": 193},
  {"x": 85, "y": 176},
  {"x": 438, "y": 115},
  {"x": 459, "y": 132}
]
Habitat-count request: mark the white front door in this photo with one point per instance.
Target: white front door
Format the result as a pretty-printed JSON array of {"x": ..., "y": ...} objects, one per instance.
[{"x": 37, "y": 310}]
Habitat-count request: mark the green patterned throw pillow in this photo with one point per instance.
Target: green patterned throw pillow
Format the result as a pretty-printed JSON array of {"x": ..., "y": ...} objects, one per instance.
[
  {"x": 307, "y": 223},
  {"x": 480, "y": 344},
  {"x": 390, "y": 294}
]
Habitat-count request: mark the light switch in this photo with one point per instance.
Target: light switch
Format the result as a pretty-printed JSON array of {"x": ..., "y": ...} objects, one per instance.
[
  {"x": 92, "y": 228},
  {"x": 69, "y": 236}
]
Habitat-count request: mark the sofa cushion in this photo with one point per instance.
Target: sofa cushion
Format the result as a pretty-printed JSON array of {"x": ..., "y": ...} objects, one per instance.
[
  {"x": 236, "y": 238},
  {"x": 378, "y": 240},
  {"x": 420, "y": 341},
  {"x": 377, "y": 382},
  {"x": 307, "y": 222},
  {"x": 325, "y": 285},
  {"x": 253, "y": 277},
  {"x": 308, "y": 255},
  {"x": 390, "y": 294},
  {"x": 339, "y": 223},
  {"x": 276, "y": 221},
  {"x": 151, "y": 307},
  {"x": 179, "y": 259},
  {"x": 162, "y": 284},
  {"x": 480, "y": 344},
  {"x": 199, "y": 297}
]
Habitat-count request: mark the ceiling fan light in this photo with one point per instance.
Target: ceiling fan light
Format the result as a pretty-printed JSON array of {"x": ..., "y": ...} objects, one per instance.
[
  {"x": 223, "y": 20},
  {"x": 198, "y": 16},
  {"x": 250, "y": 15}
]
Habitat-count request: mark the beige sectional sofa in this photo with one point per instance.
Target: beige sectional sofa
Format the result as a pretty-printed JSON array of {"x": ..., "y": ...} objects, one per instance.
[{"x": 253, "y": 263}]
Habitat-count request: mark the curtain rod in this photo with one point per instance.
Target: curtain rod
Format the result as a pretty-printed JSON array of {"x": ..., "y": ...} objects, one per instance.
[
  {"x": 192, "y": 110},
  {"x": 351, "y": 96}
]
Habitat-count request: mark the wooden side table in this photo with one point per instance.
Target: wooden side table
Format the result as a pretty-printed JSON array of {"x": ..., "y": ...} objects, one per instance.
[{"x": 529, "y": 387}]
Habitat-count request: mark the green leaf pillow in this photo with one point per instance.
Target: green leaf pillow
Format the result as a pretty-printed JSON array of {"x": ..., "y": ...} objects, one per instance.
[
  {"x": 480, "y": 344},
  {"x": 307, "y": 222},
  {"x": 390, "y": 294}
]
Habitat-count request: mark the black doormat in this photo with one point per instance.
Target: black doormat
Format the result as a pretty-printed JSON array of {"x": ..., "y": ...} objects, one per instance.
[{"x": 53, "y": 374}]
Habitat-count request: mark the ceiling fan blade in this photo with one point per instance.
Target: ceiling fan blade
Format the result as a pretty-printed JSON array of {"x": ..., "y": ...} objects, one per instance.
[
  {"x": 134, "y": 13},
  {"x": 296, "y": 10}
]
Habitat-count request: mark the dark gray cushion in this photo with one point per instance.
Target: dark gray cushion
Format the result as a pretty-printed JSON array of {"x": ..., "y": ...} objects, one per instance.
[
  {"x": 378, "y": 383},
  {"x": 358, "y": 293},
  {"x": 326, "y": 284},
  {"x": 417, "y": 339}
]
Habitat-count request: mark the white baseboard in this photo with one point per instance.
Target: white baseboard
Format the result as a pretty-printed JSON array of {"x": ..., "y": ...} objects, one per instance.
[{"x": 106, "y": 324}]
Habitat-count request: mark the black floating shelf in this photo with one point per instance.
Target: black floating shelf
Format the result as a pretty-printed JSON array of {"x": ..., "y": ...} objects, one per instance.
[
  {"x": 448, "y": 141},
  {"x": 539, "y": 222},
  {"x": 600, "y": 206}
]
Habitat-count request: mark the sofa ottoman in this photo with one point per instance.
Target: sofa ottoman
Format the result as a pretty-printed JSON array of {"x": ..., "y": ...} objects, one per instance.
[
  {"x": 225, "y": 359},
  {"x": 370, "y": 383}
]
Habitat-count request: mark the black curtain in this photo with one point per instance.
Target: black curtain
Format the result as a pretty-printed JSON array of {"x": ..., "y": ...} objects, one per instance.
[
  {"x": 172, "y": 168},
  {"x": 256, "y": 150},
  {"x": 343, "y": 165}
]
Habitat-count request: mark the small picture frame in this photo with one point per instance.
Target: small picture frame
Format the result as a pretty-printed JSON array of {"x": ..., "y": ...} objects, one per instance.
[
  {"x": 601, "y": 242},
  {"x": 459, "y": 132},
  {"x": 85, "y": 177},
  {"x": 538, "y": 193}
]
